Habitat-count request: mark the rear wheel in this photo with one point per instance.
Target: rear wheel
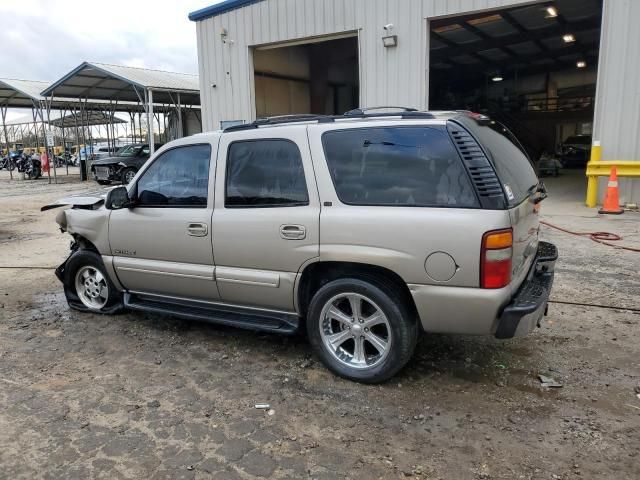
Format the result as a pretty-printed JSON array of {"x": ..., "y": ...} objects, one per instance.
[
  {"x": 87, "y": 285},
  {"x": 361, "y": 332}
]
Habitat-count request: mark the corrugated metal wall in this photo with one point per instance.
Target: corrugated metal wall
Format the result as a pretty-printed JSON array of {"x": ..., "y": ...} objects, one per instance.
[
  {"x": 617, "y": 109},
  {"x": 388, "y": 76}
]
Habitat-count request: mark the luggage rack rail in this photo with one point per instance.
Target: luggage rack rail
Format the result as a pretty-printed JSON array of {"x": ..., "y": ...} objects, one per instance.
[{"x": 359, "y": 113}]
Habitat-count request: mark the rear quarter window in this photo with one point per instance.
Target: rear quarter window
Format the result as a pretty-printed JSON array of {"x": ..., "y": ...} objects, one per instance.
[
  {"x": 397, "y": 166},
  {"x": 512, "y": 165}
]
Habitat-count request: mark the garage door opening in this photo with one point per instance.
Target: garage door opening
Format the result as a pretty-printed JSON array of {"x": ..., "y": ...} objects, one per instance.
[
  {"x": 532, "y": 68},
  {"x": 319, "y": 77}
]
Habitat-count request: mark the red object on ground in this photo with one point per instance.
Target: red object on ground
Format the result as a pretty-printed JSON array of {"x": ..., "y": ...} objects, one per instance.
[
  {"x": 611, "y": 200},
  {"x": 44, "y": 162}
]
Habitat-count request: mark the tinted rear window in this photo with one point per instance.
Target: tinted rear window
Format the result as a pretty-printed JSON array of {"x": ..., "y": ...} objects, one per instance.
[
  {"x": 511, "y": 163},
  {"x": 397, "y": 166}
]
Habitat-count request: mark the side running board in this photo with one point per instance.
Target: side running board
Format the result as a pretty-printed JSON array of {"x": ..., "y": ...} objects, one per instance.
[{"x": 221, "y": 314}]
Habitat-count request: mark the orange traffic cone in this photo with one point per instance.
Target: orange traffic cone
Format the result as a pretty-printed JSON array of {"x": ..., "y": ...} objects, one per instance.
[{"x": 611, "y": 200}]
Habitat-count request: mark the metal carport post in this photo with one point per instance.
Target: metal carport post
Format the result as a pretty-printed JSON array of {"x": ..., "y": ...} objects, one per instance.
[{"x": 3, "y": 113}]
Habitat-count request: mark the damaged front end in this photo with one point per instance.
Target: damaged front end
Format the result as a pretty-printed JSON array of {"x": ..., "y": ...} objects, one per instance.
[{"x": 86, "y": 221}]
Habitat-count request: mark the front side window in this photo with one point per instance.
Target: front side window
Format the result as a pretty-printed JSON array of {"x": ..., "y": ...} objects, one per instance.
[
  {"x": 397, "y": 166},
  {"x": 177, "y": 178},
  {"x": 265, "y": 173}
]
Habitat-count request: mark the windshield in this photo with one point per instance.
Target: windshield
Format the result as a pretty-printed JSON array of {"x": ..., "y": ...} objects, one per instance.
[
  {"x": 130, "y": 151},
  {"x": 579, "y": 140}
]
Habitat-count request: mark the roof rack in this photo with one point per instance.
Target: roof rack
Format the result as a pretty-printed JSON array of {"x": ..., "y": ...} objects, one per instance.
[
  {"x": 362, "y": 111},
  {"x": 281, "y": 119},
  {"x": 405, "y": 113}
]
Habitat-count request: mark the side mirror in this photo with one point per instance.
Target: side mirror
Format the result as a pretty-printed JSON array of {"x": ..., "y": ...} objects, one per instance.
[{"x": 118, "y": 198}]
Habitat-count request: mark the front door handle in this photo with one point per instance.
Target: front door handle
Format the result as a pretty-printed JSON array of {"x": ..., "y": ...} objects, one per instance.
[
  {"x": 293, "y": 232},
  {"x": 197, "y": 229}
]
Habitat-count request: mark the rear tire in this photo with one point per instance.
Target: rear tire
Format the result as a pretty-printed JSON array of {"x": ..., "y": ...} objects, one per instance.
[
  {"x": 87, "y": 285},
  {"x": 383, "y": 322}
]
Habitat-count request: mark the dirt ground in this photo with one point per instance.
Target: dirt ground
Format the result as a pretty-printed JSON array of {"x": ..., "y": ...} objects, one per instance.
[{"x": 144, "y": 396}]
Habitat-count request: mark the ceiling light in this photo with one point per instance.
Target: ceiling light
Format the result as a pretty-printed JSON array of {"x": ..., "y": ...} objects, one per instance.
[
  {"x": 497, "y": 78},
  {"x": 568, "y": 38},
  {"x": 581, "y": 64},
  {"x": 552, "y": 12}
]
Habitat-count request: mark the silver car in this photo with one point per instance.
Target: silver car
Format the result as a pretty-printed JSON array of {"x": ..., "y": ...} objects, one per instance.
[{"x": 363, "y": 230}]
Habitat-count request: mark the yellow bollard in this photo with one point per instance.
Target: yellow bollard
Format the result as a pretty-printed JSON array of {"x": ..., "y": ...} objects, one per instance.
[{"x": 592, "y": 180}]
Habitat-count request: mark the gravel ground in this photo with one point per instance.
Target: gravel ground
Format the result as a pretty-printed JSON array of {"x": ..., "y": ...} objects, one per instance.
[{"x": 145, "y": 396}]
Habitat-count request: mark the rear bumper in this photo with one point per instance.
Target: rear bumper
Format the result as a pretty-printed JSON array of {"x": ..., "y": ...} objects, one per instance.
[
  {"x": 503, "y": 312},
  {"x": 529, "y": 304}
]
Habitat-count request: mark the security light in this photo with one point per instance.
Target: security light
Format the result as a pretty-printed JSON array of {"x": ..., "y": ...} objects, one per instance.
[
  {"x": 497, "y": 78},
  {"x": 581, "y": 64},
  {"x": 568, "y": 38},
  {"x": 390, "y": 41},
  {"x": 552, "y": 12}
]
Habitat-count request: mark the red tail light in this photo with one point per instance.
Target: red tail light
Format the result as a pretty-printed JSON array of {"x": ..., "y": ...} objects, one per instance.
[{"x": 495, "y": 258}]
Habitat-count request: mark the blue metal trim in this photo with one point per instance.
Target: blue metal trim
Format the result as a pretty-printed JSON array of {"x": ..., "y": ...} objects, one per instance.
[{"x": 219, "y": 8}]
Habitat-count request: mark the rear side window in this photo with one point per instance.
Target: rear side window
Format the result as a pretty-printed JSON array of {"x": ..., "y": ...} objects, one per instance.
[
  {"x": 397, "y": 166},
  {"x": 512, "y": 165},
  {"x": 265, "y": 173}
]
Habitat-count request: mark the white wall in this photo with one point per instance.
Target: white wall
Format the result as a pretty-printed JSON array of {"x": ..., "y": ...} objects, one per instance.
[
  {"x": 617, "y": 112},
  {"x": 388, "y": 76}
]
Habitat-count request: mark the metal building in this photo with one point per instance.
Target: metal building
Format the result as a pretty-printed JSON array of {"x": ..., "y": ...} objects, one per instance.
[{"x": 266, "y": 57}]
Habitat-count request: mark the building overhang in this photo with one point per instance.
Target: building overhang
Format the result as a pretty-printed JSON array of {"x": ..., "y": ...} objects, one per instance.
[{"x": 219, "y": 8}]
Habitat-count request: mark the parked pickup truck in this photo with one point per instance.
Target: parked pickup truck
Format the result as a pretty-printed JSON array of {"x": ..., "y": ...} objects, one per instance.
[{"x": 362, "y": 230}]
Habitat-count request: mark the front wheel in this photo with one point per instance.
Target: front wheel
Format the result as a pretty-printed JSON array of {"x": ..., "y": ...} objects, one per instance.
[
  {"x": 87, "y": 285},
  {"x": 127, "y": 175},
  {"x": 361, "y": 332}
]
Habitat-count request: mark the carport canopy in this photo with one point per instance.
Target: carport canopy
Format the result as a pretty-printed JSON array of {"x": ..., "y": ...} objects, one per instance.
[
  {"x": 20, "y": 93},
  {"x": 90, "y": 119},
  {"x": 101, "y": 81},
  {"x": 118, "y": 83}
]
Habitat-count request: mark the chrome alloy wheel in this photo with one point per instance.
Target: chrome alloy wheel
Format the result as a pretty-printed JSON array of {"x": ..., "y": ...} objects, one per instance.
[
  {"x": 355, "y": 330},
  {"x": 92, "y": 288}
]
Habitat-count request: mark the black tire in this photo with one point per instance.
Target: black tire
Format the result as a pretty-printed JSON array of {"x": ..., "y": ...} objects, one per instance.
[
  {"x": 104, "y": 182},
  {"x": 400, "y": 315},
  {"x": 75, "y": 262},
  {"x": 127, "y": 175}
]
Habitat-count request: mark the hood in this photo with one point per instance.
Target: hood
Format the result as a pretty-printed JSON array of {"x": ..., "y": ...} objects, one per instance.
[
  {"x": 107, "y": 161},
  {"x": 86, "y": 200}
]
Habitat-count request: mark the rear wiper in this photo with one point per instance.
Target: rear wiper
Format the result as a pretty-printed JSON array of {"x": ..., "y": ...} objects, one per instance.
[{"x": 368, "y": 143}]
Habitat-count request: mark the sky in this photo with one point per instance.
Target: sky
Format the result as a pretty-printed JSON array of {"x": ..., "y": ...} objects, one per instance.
[{"x": 45, "y": 39}]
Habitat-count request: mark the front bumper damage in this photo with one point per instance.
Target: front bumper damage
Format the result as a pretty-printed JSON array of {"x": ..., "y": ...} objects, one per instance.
[
  {"x": 107, "y": 172},
  {"x": 529, "y": 304}
]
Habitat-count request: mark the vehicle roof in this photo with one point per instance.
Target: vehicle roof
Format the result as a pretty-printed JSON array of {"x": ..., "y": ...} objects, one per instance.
[{"x": 437, "y": 117}]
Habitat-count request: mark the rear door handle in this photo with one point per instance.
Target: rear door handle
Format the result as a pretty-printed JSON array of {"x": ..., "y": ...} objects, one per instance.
[
  {"x": 197, "y": 229},
  {"x": 293, "y": 232}
]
